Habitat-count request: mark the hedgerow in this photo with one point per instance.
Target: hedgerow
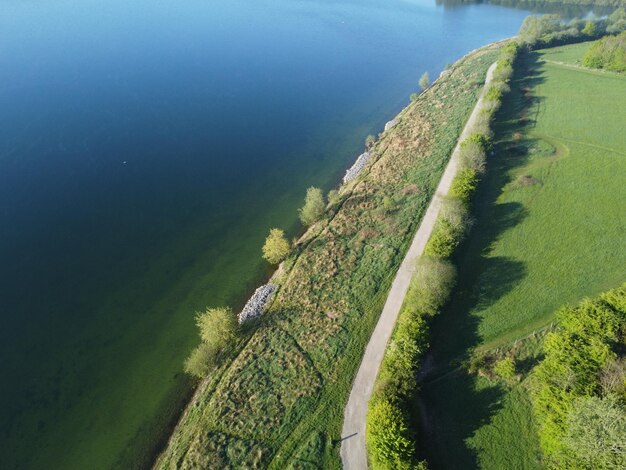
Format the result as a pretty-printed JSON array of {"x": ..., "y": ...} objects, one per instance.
[
  {"x": 578, "y": 410},
  {"x": 391, "y": 420}
]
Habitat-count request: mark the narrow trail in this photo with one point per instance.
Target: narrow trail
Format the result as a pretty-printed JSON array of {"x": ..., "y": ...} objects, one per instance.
[{"x": 353, "y": 452}]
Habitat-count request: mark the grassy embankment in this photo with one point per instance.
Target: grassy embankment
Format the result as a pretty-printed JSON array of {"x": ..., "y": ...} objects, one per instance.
[
  {"x": 549, "y": 231},
  {"x": 280, "y": 403}
]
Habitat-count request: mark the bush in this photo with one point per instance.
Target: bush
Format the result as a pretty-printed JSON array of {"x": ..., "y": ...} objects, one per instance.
[
  {"x": 201, "y": 361},
  {"x": 474, "y": 153},
  {"x": 314, "y": 206},
  {"x": 370, "y": 140},
  {"x": 576, "y": 357},
  {"x": 464, "y": 184},
  {"x": 424, "y": 81},
  {"x": 276, "y": 247},
  {"x": 431, "y": 284},
  {"x": 217, "y": 326},
  {"x": 608, "y": 53},
  {"x": 505, "y": 368},
  {"x": 443, "y": 241},
  {"x": 333, "y": 197},
  {"x": 596, "y": 432},
  {"x": 388, "y": 437}
]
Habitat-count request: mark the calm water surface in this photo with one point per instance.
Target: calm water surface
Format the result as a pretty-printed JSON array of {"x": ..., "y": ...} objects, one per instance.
[{"x": 146, "y": 148}]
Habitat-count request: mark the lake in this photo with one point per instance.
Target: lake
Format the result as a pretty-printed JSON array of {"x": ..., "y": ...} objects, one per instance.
[{"x": 146, "y": 149}]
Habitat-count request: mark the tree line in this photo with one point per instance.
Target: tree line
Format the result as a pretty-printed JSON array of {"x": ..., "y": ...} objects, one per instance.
[{"x": 391, "y": 422}]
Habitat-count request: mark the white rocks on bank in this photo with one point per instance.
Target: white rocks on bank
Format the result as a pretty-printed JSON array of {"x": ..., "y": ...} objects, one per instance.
[
  {"x": 256, "y": 304},
  {"x": 391, "y": 123},
  {"x": 355, "y": 169}
]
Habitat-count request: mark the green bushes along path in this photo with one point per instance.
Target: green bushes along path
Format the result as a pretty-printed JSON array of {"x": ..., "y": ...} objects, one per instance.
[{"x": 391, "y": 422}]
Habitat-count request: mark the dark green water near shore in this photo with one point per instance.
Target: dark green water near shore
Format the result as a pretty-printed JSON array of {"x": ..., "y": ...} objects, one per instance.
[{"x": 146, "y": 148}]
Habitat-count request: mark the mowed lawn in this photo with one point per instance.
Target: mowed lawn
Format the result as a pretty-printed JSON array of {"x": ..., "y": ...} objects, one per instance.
[{"x": 550, "y": 230}]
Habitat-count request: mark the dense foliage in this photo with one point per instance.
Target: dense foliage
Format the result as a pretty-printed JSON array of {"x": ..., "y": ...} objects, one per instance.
[
  {"x": 551, "y": 30},
  {"x": 582, "y": 418},
  {"x": 314, "y": 206},
  {"x": 430, "y": 287},
  {"x": 608, "y": 53},
  {"x": 276, "y": 247},
  {"x": 218, "y": 331}
]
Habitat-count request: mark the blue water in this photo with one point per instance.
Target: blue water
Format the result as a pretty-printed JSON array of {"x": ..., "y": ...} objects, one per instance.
[{"x": 146, "y": 148}]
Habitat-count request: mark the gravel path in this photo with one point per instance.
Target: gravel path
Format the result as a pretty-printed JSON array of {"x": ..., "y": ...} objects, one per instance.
[{"x": 353, "y": 452}]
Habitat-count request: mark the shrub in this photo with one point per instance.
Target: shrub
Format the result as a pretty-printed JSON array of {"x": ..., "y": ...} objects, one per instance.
[
  {"x": 576, "y": 357},
  {"x": 201, "y": 361},
  {"x": 370, "y": 140},
  {"x": 424, "y": 81},
  {"x": 608, "y": 53},
  {"x": 431, "y": 284},
  {"x": 276, "y": 247},
  {"x": 413, "y": 97},
  {"x": 455, "y": 213},
  {"x": 333, "y": 197},
  {"x": 505, "y": 368},
  {"x": 388, "y": 204},
  {"x": 314, "y": 206},
  {"x": 217, "y": 326},
  {"x": 616, "y": 21},
  {"x": 473, "y": 153},
  {"x": 596, "y": 432},
  {"x": 443, "y": 241},
  {"x": 590, "y": 28},
  {"x": 388, "y": 437},
  {"x": 464, "y": 184}
]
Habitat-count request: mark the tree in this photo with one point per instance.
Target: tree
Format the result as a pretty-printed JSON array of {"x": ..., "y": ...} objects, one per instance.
[
  {"x": 424, "y": 81},
  {"x": 201, "y": 361},
  {"x": 276, "y": 247},
  {"x": 413, "y": 97},
  {"x": 370, "y": 140},
  {"x": 333, "y": 197},
  {"x": 217, "y": 326},
  {"x": 590, "y": 28},
  {"x": 596, "y": 432},
  {"x": 389, "y": 437},
  {"x": 314, "y": 206}
]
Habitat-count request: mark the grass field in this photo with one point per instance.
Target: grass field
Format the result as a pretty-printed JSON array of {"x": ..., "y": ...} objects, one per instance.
[
  {"x": 280, "y": 403},
  {"x": 550, "y": 230}
]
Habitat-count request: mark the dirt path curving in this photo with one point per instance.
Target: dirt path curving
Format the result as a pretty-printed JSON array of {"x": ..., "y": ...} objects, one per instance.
[{"x": 353, "y": 452}]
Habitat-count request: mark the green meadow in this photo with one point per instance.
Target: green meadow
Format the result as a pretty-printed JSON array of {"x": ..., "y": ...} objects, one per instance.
[{"x": 550, "y": 229}]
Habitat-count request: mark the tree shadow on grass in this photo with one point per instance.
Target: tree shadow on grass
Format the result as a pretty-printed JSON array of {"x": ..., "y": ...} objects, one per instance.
[{"x": 450, "y": 407}]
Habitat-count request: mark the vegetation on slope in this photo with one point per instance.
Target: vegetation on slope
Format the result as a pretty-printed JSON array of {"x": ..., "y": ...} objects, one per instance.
[
  {"x": 551, "y": 30},
  {"x": 391, "y": 424},
  {"x": 548, "y": 229},
  {"x": 280, "y": 403},
  {"x": 579, "y": 395},
  {"x": 608, "y": 53}
]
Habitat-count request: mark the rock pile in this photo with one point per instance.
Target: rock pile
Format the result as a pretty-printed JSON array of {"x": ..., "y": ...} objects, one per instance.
[
  {"x": 391, "y": 123},
  {"x": 355, "y": 169},
  {"x": 255, "y": 305}
]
